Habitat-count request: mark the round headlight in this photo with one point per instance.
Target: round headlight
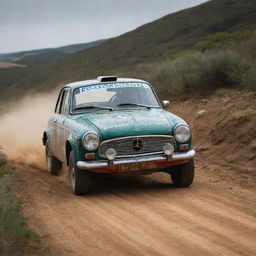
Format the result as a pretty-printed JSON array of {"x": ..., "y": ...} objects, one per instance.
[
  {"x": 91, "y": 141},
  {"x": 182, "y": 133},
  {"x": 111, "y": 154},
  {"x": 168, "y": 149}
]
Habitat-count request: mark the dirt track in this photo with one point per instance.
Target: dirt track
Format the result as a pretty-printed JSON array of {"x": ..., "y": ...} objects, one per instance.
[
  {"x": 148, "y": 216},
  {"x": 141, "y": 216}
]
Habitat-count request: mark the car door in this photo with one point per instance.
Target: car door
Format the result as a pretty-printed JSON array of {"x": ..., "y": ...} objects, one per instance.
[
  {"x": 53, "y": 125},
  {"x": 62, "y": 131}
]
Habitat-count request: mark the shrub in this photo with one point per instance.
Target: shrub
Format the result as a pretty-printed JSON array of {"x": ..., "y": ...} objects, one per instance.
[
  {"x": 196, "y": 71},
  {"x": 2, "y": 159},
  {"x": 249, "y": 78},
  {"x": 248, "y": 49},
  {"x": 224, "y": 40}
]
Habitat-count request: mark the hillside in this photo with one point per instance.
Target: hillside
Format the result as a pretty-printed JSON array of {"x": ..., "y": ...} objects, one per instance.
[
  {"x": 47, "y": 55},
  {"x": 156, "y": 41},
  {"x": 167, "y": 36}
]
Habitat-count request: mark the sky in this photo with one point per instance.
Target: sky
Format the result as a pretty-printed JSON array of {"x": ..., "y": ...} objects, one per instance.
[{"x": 36, "y": 24}]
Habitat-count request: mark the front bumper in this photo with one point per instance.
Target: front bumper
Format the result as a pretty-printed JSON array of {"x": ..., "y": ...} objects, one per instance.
[{"x": 136, "y": 164}]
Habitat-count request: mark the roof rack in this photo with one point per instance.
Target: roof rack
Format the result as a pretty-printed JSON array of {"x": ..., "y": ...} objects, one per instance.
[{"x": 107, "y": 78}]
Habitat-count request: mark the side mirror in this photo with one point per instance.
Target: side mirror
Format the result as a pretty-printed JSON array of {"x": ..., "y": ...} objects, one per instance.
[{"x": 165, "y": 103}]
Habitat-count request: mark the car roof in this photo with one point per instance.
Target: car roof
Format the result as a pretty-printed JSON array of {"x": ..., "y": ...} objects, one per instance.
[{"x": 98, "y": 81}]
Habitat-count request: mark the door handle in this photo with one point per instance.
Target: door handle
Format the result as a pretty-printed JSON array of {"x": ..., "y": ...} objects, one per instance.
[{"x": 54, "y": 120}]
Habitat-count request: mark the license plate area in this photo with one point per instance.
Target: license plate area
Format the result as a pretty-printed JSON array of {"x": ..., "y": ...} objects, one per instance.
[{"x": 140, "y": 166}]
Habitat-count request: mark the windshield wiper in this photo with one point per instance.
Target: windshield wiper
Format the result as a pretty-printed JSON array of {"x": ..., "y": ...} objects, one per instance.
[
  {"x": 133, "y": 104},
  {"x": 93, "y": 106}
]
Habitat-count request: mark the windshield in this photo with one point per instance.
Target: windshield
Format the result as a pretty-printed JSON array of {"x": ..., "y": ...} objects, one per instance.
[{"x": 113, "y": 96}]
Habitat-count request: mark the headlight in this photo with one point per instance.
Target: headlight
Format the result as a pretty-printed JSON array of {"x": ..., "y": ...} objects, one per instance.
[
  {"x": 91, "y": 141},
  {"x": 168, "y": 149},
  {"x": 111, "y": 154},
  {"x": 182, "y": 133}
]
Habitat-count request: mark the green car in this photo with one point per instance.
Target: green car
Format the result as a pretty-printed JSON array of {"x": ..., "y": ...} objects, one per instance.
[{"x": 113, "y": 125}]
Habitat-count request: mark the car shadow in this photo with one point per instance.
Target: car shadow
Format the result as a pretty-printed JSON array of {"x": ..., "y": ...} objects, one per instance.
[{"x": 130, "y": 184}]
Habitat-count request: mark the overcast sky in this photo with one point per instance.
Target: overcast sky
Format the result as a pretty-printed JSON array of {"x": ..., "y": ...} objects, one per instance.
[{"x": 34, "y": 24}]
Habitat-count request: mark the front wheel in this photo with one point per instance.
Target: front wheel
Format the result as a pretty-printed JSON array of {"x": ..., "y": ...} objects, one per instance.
[
  {"x": 183, "y": 175},
  {"x": 80, "y": 181}
]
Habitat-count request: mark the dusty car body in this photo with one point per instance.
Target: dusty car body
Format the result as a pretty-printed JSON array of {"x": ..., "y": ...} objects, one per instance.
[{"x": 115, "y": 125}]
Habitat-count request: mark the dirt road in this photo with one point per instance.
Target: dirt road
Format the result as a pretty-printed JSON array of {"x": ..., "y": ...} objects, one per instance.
[{"x": 141, "y": 216}]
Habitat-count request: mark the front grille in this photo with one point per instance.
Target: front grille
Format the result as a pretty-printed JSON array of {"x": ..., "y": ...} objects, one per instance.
[{"x": 137, "y": 145}]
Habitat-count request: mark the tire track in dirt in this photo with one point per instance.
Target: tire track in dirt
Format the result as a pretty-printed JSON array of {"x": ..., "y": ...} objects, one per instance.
[
  {"x": 192, "y": 217},
  {"x": 140, "y": 216}
]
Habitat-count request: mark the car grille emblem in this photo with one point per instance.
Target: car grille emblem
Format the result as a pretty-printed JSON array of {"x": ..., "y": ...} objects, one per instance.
[{"x": 137, "y": 145}]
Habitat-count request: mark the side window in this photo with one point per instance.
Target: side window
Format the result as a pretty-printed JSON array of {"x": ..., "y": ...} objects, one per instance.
[
  {"x": 58, "y": 105},
  {"x": 65, "y": 103}
]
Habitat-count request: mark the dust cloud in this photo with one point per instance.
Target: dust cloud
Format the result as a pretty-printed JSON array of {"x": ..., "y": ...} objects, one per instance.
[{"x": 21, "y": 129}]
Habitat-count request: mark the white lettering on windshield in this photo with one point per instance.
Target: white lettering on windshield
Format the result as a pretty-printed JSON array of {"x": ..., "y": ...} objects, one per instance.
[{"x": 115, "y": 85}]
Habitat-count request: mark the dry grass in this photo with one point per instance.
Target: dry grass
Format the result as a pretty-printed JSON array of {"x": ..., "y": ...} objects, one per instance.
[{"x": 16, "y": 239}]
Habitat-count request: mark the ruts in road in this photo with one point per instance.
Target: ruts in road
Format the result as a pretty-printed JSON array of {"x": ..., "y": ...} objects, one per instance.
[{"x": 142, "y": 215}]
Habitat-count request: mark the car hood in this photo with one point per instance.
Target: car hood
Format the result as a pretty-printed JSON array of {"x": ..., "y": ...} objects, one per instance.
[{"x": 122, "y": 123}]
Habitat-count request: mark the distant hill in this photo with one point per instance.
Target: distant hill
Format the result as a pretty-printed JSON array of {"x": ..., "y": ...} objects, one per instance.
[
  {"x": 164, "y": 37},
  {"x": 9, "y": 65},
  {"x": 155, "y": 41},
  {"x": 79, "y": 47},
  {"x": 45, "y": 56}
]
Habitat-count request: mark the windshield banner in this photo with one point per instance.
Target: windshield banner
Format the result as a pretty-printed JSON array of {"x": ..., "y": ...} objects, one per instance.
[{"x": 113, "y": 85}]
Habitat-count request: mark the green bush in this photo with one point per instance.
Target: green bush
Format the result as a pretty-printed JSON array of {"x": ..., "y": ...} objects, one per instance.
[
  {"x": 249, "y": 78},
  {"x": 2, "y": 159},
  {"x": 196, "y": 71},
  {"x": 224, "y": 40},
  {"x": 248, "y": 49}
]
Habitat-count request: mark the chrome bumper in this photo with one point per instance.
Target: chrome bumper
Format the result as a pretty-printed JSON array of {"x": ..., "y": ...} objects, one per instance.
[{"x": 106, "y": 164}]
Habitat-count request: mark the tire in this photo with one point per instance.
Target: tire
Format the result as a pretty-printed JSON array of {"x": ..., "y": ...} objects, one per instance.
[
  {"x": 183, "y": 175},
  {"x": 80, "y": 180},
  {"x": 52, "y": 163}
]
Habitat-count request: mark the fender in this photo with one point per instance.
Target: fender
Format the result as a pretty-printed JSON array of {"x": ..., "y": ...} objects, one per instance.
[{"x": 71, "y": 145}]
